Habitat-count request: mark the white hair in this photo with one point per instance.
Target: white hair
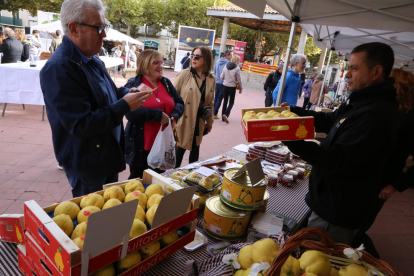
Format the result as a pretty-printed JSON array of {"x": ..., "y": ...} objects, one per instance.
[
  {"x": 74, "y": 11},
  {"x": 8, "y": 32},
  {"x": 296, "y": 59},
  {"x": 320, "y": 76}
]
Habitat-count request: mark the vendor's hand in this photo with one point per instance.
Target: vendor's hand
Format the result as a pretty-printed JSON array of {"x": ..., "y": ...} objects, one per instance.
[
  {"x": 136, "y": 99},
  {"x": 387, "y": 192},
  {"x": 164, "y": 119},
  {"x": 209, "y": 128},
  {"x": 173, "y": 123},
  {"x": 240, "y": 91},
  {"x": 284, "y": 104}
]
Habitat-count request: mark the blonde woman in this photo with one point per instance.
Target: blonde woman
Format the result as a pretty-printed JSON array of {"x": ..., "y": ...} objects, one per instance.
[
  {"x": 196, "y": 86},
  {"x": 21, "y": 36},
  {"x": 231, "y": 78},
  {"x": 144, "y": 123}
]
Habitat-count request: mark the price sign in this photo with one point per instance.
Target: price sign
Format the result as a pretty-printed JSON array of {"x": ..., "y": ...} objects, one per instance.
[{"x": 205, "y": 171}]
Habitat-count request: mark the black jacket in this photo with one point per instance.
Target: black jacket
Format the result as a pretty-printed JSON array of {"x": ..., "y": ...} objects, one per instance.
[
  {"x": 405, "y": 146},
  {"x": 25, "y": 52},
  {"x": 272, "y": 80},
  {"x": 12, "y": 50},
  {"x": 134, "y": 131},
  {"x": 348, "y": 166}
]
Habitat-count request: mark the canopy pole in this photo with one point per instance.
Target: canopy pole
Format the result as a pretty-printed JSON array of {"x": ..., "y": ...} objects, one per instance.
[
  {"x": 324, "y": 77},
  {"x": 285, "y": 65},
  {"x": 223, "y": 44},
  {"x": 302, "y": 42}
]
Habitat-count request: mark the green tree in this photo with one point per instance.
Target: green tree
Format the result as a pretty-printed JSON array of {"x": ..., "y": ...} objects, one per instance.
[{"x": 31, "y": 5}]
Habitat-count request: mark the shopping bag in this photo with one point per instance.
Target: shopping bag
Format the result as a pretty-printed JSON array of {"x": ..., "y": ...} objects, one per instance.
[{"x": 162, "y": 154}]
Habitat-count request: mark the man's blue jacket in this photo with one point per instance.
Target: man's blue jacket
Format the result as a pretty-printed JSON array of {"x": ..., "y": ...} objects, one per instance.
[
  {"x": 291, "y": 90},
  {"x": 80, "y": 116}
]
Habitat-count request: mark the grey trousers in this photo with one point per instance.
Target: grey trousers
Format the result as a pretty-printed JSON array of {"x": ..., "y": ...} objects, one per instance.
[{"x": 338, "y": 234}]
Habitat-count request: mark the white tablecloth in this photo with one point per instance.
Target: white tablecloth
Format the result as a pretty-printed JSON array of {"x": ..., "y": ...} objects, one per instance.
[{"x": 20, "y": 83}]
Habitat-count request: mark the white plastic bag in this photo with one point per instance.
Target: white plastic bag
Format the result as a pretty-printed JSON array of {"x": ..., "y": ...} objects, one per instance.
[{"x": 162, "y": 154}]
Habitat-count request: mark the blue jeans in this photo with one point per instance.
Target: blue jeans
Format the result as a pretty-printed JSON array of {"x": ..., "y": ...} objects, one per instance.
[
  {"x": 81, "y": 187},
  {"x": 218, "y": 97}
]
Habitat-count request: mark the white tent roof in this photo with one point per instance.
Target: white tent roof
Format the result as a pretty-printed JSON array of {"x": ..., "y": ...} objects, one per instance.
[
  {"x": 111, "y": 35},
  {"x": 344, "y": 24}
]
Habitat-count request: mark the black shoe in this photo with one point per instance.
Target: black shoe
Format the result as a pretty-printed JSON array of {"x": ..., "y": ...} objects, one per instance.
[{"x": 59, "y": 166}]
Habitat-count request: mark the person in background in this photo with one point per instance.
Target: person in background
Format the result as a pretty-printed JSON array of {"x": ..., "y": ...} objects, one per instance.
[
  {"x": 302, "y": 82},
  {"x": 56, "y": 41},
  {"x": 103, "y": 52},
  {"x": 316, "y": 90},
  {"x": 36, "y": 45},
  {"x": 219, "y": 89},
  {"x": 11, "y": 48},
  {"x": 144, "y": 123},
  {"x": 230, "y": 75},
  {"x": 132, "y": 58},
  {"x": 84, "y": 107},
  {"x": 342, "y": 88},
  {"x": 117, "y": 51},
  {"x": 361, "y": 138},
  {"x": 185, "y": 62},
  {"x": 396, "y": 179},
  {"x": 21, "y": 36},
  {"x": 196, "y": 86},
  {"x": 307, "y": 91},
  {"x": 2, "y": 37},
  {"x": 292, "y": 82},
  {"x": 271, "y": 83}
]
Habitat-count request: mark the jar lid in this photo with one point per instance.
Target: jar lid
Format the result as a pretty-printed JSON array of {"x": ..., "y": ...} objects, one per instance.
[
  {"x": 292, "y": 172},
  {"x": 288, "y": 177}
]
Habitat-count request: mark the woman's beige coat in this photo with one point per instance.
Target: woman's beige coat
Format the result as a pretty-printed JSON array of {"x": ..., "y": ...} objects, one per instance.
[
  {"x": 188, "y": 90},
  {"x": 316, "y": 91}
]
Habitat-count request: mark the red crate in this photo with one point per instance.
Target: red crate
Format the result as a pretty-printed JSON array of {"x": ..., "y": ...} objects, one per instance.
[{"x": 12, "y": 228}]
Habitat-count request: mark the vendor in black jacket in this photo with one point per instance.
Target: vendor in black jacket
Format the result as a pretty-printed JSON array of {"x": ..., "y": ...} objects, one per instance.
[
  {"x": 348, "y": 167},
  {"x": 144, "y": 123},
  {"x": 271, "y": 83}
]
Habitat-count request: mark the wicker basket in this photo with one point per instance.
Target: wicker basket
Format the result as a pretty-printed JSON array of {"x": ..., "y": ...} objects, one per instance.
[{"x": 327, "y": 245}]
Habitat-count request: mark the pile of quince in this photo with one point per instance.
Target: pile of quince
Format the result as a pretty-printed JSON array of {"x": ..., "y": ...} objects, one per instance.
[
  {"x": 311, "y": 263},
  {"x": 272, "y": 114},
  {"x": 67, "y": 212}
]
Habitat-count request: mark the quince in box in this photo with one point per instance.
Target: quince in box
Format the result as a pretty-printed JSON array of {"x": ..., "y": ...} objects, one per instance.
[
  {"x": 92, "y": 200},
  {"x": 65, "y": 223},
  {"x": 67, "y": 208},
  {"x": 108, "y": 270},
  {"x": 134, "y": 185},
  {"x": 137, "y": 195},
  {"x": 114, "y": 192}
]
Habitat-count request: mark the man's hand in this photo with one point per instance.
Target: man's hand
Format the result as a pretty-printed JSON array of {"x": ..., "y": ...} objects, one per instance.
[
  {"x": 164, "y": 119},
  {"x": 240, "y": 91},
  {"x": 173, "y": 123},
  {"x": 209, "y": 128},
  {"x": 135, "y": 99},
  {"x": 284, "y": 104},
  {"x": 387, "y": 192}
]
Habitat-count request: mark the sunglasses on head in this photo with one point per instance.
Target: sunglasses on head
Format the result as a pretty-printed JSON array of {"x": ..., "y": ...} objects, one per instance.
[{"x": 196, "y": 57}]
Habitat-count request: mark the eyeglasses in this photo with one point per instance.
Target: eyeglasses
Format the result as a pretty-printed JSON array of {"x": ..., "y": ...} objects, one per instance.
[
  {"x": 99, "y": 28},
  {"x": 196, "y": 57},
  {"x": 158, "y": 62}
]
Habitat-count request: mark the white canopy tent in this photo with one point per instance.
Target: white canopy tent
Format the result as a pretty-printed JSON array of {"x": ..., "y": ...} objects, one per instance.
[
  {"x": 111, "y": 35},
  {"x": 343, "y": 24}
]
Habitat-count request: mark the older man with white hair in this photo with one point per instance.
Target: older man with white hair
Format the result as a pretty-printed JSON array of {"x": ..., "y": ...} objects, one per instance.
[
  {"x": 293, "y": 81},
  {"x": 11, "y": 47},
  {"x": 132, "y": 57},
  {"x": 84, "y": 106}
]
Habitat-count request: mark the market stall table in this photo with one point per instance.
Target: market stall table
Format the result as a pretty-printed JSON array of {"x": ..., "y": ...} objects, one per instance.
[
  {"x": 21, "y": 82},
  {"x": 289, "y": 201}
]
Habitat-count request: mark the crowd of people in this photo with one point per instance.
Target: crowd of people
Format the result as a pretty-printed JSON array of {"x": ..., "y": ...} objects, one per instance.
[{"x": 354, "y": 170}]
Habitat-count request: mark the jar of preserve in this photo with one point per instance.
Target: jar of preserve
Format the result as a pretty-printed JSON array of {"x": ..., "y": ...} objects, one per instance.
[
  {"x": 287, "y": 180},
  {"x": 294, "y": 174},
  {"x": 301, "y": 172},
  {"x": 288, "y": 167},
  {"x": 273, "y": 179}
]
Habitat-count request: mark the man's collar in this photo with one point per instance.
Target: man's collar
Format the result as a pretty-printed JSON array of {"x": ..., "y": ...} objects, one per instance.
[
  {"x": 82, "y": 56},
  {"x": 382, "y": 90}
]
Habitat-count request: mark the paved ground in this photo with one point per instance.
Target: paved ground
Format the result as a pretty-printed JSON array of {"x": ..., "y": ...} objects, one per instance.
[{"x": 28, "y": 171}]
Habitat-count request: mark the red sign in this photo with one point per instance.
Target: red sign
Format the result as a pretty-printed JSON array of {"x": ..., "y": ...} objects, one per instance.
[{"x": 240, "y": 49}]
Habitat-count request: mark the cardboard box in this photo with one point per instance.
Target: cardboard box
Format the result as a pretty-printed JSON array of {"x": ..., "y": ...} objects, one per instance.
[
  {"x": 24, "y": 262},
  {"x": 262, "y": 130},
  {"x": 100, "y": 250},
  {"x": 12, "y": 228}
]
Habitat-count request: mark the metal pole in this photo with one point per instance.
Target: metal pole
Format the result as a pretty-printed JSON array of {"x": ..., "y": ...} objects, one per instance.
[
  {"x": 285, "y": 65},
  {"x": 324, "y": 77},
  {"x": 223, "y": 44}
]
